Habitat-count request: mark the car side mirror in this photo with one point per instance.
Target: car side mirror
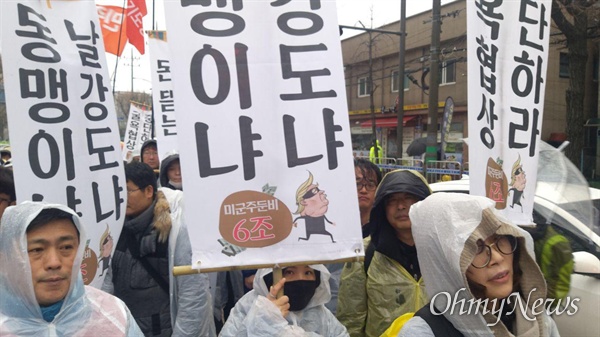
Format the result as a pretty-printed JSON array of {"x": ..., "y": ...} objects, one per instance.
[{"x": 586, "y": 264}]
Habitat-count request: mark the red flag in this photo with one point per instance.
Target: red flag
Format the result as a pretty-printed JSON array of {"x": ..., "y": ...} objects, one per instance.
[
  {"x": 113, "y": 26},
  {"x": 136, "y": 10}
]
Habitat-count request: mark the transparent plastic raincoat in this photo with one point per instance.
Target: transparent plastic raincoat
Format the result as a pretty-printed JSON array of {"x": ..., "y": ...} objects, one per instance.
[
  {"x": 86, "y": 311},
  {"x": 254, "y": 314},
  {"x": 446, "y": 228}
]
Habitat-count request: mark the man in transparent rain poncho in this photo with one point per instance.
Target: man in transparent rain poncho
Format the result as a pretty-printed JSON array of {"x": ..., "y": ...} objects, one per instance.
[{"x": 41, "y": 287}]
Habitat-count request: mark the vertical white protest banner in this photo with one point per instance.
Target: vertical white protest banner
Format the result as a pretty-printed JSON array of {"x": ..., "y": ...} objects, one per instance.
[
  {"x": 263, "y": 116},
  {"x": 163, "y": 98},
  {"x": 138, "y": 130},
  {"x": 62, "y": 120},
  {"x": 508, "y": 55}
]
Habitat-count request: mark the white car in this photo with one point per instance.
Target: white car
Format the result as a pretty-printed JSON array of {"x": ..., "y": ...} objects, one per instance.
[{"x": 585, "y": 242}]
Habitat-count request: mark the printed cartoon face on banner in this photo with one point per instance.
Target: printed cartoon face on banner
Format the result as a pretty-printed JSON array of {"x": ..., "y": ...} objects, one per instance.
[{"x": 254, "y": 219}]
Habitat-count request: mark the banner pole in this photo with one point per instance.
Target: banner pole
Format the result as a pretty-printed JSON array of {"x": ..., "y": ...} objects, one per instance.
[
  {"x": 277, "y": 276},
  {"x": 188, "y": 270}
]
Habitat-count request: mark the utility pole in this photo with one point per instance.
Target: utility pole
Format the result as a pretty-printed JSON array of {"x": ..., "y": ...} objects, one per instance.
[
  {"x": 371, "y": 91},
  {"x": 371, "y": 99},
  {"x": 401, "y": 61},
  {"x": 370, "y": 79},
  {"x": 431, "y": 152},
  {"x": 131, "y": 71}
]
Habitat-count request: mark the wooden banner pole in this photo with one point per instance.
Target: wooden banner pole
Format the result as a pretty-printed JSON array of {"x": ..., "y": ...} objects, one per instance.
[
  {"x": 277, "y": 276},
  {"x": 188, "y": 270}
]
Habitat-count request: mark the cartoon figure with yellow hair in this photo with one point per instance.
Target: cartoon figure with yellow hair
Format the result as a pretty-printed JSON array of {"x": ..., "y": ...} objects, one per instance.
[
  {"x": 106, "y": 246},
  {"x": 312, "y": 206},
  {"x": 517, "y": 183}
]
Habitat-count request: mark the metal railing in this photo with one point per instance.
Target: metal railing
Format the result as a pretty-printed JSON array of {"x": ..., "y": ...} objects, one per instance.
[{"x": 433, "y": 171}]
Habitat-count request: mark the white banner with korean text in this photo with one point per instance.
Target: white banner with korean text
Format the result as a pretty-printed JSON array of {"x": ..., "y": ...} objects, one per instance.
[
  {"x": 138, "y": 130},
  {"x": 508, "y": 55},
  {"x": 162, "y": 99},
  {"x": 62, "y": 121},
  {"x": 267, "y": 167}
]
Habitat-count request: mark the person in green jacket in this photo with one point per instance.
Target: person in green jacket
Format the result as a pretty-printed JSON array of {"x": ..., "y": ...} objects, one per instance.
[
  {"x": 389, "y": 282},
  {"x": 379, "y": 153},
  {"x": 554, "y": 256}
]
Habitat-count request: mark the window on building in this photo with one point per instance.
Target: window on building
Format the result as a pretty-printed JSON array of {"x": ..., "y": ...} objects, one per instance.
[
  {"x": 363, "y": 87},
  {"x": 395, "y": 81},
  {"x": 563, "y": 71},
  {"x": 448, "y": 72}
]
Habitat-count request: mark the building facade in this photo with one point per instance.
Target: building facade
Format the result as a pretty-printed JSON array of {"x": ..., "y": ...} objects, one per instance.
[{"x": 453, "y": 83}]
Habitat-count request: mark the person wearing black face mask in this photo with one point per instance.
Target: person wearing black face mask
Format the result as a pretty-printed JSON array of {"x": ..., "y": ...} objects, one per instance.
[{"x": 300, "y": 312}]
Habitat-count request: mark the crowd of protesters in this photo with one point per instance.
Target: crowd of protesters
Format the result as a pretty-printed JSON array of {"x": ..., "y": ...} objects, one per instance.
[{"x": 417, "y": 245}]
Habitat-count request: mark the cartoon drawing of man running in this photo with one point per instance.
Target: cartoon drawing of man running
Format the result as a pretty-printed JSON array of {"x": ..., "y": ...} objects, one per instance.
[
  {"x": 517, "y": 183},
  {"x": 312, "y": 206}
]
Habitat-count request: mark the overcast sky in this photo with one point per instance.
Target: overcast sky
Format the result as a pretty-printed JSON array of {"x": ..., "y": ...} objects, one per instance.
[{"x": 349, "y": 13}]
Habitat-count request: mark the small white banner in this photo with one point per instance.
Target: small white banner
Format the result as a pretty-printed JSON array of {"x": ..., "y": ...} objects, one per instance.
[
  {"x": 139, "y": 130},
  {"x": 262, "y": 119},
  {"x": 62, "y": 120},
  {"x": 508, "y": 55},
  {"x": 162, "y": 98}
]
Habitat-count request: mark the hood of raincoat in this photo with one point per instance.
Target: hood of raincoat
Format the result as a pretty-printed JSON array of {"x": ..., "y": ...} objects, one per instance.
[
  {"x": 446, "y": 228},
  {"x": 407, "y": 181},
  {"x": 164, "y": 168},
  {"x": 322, "y": 293},
  {"x": 18, "y": 298}
]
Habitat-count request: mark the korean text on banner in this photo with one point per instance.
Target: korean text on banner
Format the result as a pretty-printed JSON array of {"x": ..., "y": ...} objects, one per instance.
[
  {"x": 61, "y": 117},
  {"x": 265, "y": 128},
  {"x": 136, "y": 10},
  {"x": 138, "y": 130},
  {"x": 163, "y": 98},
  {"x": 508, "y": 53},
  {"x": 113, "y": 28}
]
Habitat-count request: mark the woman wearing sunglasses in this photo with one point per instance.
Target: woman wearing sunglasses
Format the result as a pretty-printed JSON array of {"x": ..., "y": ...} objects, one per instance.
[{"x": 481, "y": 274}]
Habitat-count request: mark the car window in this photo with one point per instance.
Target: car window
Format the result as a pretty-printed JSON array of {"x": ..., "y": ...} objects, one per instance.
[
  {"x": 580, "y": 241},
  {"x": 579, "y": 210}
]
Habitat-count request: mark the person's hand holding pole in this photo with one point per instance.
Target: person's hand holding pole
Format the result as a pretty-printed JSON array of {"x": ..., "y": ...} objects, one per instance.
[{"x": 282, "y": 302}]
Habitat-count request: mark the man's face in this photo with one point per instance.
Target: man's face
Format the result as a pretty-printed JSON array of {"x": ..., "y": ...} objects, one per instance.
[
  {"x": 520, "y": 180},
  {"x": 150, "y": 156},
  {"x": 4, "y": 202},
  {"x": 315, "y": 202},
  {"x": 107, "y": 247},
  {"x": 138, "y": 199},
  {"x": 52, "y": 248},
  {"x": 397, "y": 206},
  {"x": 366, "y": 186}
]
